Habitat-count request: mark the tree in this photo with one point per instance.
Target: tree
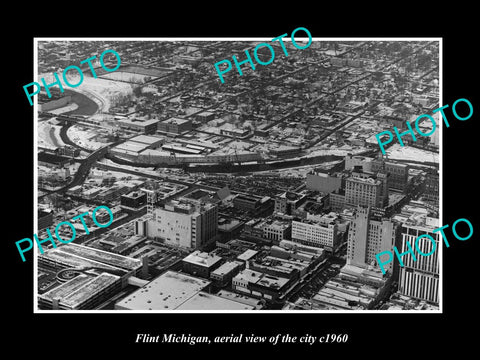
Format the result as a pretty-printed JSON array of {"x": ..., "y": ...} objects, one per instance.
[{"x": 137, "y": 91}]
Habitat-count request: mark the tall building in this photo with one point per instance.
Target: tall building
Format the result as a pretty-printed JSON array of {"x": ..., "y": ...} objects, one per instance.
[
  {"x": 181, "y": 223},
  {"x": 367, "y": 236},
  {"x": 367, "y": 189},
  {"x": 420, "y": 279},
  {"x": 432, "y": 185}
]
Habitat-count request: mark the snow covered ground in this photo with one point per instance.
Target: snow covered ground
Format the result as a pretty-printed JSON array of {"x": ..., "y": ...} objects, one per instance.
[
  {"x": 84, "y": 138},
  {"x": 397, "y": 152},
  {"x": 97, "y": 89},
  {"x": 126, "y": 76},
  {"x": 342, "y": 151},
  {"x": 66, "y": 108},
  {"x": 49, "y": 135}
]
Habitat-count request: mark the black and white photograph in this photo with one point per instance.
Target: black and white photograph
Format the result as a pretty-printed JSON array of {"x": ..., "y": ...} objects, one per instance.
[{"x": 269, "y": 191}]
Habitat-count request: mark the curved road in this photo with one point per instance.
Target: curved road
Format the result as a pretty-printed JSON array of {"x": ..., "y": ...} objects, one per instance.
[{"x": 82, "y": 171}]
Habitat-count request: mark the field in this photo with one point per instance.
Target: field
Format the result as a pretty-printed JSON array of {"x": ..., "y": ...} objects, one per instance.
[
  {"x": 144, "y": 71},
  {"x": 126, "y": 77}
]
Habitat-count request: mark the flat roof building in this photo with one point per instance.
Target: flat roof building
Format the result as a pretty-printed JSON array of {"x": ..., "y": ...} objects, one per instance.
[
  {"x": 175, "y": 125},
  {"x": 166, "y": 292},
  {"x": 100, "y": 276},
  {"x": 259, "y": 284},
  {"x": 201, "y": 263},
  {"x": 205, "y": 301},
  {"x": 146, "y": 126},
  {"x": 225, "y": 272},
  {"x": 181, "y": 223}
]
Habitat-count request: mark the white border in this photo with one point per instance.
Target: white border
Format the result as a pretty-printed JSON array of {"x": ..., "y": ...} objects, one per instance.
[{"x": 287, "y": 38}]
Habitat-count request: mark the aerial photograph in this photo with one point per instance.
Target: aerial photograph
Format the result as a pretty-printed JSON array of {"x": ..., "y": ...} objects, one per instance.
[{"x": 256, "y": 185}]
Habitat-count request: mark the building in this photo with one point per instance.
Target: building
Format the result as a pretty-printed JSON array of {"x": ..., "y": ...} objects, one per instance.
[
  {"x": 368, "y": 236},
  {"x": 180, "y": 223},
  {"x": 144, "y": 126},
  {"x": 45, "y": 218},
  {"x": 289, "y": 201},
  {"x": 323, "y": 181},
  {"x": 177, "y": 291},
  {"x": 175, "y": 125},
  {"x": 337, "y": 200},
  {"x": 246, "y": 256},
  {"x": 432, "y": 183},
  {"x": 166, "y": 292},
  {"x": 133, "y": 200},
  {"x": 235, "y": 132},
  {"x": 354, "y": 288},
  {"x": 247, "y": 202},
  {"x": 53, "y": 161},
  {"x": 68, "y": 150},
  {"x": 257, "y": 284},
  {"x": 313, "y": 206},
  {"x": 112, "y": 193},
  {"x": 398, "y": 173},
  {"x": 100, "y": 276},
  {"x": 205, "y": 116},
  {"x": 206, "y": 301},
  {"x": 366, "y": 189},
  {"x": 420, "y": 279},
  {"x": 201, "y": 264},
  {"x": 276, "y": 229},
  {"x": 316, "y": 233},
  {"x": 351, "y": 161},
  {"x": 222, "y": 276},
  {"x": 148, "y": 141}
]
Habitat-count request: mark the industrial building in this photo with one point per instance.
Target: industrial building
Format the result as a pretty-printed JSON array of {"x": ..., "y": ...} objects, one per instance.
[
  {"x": 144, "y": 126},
  {"x": 166, "y": 292},
  {"x": 98, "y": 276},
  {"x": 175, "y": 125},
  {"x": 178, "y": 291}
]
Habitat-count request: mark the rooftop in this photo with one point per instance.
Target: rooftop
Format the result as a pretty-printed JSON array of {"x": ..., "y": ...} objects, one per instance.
[
  {"x": 226, "y": 268},
  {"x": 78, "y": 290},
  {"x": 146, "y": 139},
  {"x": 166, "y": 292},
  {"x": 205, "y": 301},
  {"x": 143, "y": 122},
  {"x": 175, "y": 120},
  {"x": 247, "y": 255},
  {"x": 202, "y": 258},
  {"x": 101, "y": 256}
]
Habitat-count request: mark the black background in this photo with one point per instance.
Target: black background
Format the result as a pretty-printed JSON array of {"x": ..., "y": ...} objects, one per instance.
[{"x": 369, "y": 334}]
